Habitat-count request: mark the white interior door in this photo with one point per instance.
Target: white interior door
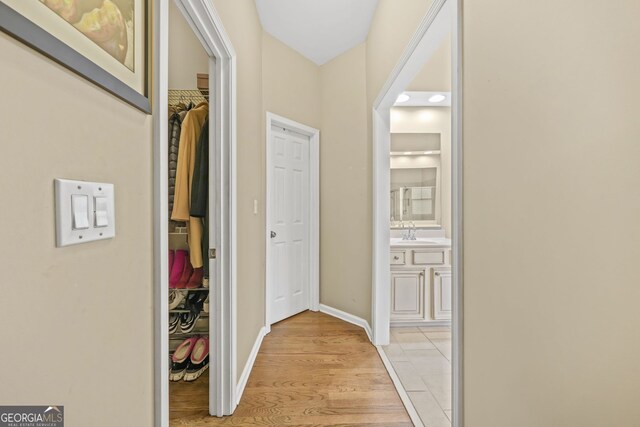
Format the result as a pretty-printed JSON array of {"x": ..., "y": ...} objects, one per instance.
[{"x": 289, "y": 228}]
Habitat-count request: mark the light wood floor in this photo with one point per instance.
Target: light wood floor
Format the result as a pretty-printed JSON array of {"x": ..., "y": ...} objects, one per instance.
[{"x": 312, "y": 369}]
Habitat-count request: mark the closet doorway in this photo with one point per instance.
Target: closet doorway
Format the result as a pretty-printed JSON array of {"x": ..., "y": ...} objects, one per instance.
[{"x": 207, "y": 114}]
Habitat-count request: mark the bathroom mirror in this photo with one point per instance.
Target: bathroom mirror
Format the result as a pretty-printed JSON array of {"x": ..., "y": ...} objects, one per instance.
[{"x": 415, "y": 180}]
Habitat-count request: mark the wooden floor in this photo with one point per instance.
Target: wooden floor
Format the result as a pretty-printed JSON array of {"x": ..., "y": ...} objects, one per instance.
[{"x": 312, "y": 370}]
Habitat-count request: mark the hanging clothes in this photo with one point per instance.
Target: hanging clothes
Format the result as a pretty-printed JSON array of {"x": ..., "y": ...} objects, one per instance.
[
  {"x": 175, "y": 124},
  {"x": 189, "y": 136},
  {"x": 200, "y": 189}
]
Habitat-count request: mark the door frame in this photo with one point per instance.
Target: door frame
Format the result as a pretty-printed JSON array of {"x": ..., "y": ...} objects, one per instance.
[
  {"x": 207, "y": 26},
  {"x": 444, "y": 16},
  {"x": 314, "y": 210}
]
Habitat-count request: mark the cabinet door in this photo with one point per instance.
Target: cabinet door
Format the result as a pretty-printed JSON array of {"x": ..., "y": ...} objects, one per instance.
[
  {"x": 407, "y": 295},
  {"x": 441, "y": 301}
]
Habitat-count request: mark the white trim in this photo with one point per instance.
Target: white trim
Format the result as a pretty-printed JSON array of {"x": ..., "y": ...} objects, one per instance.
[
  {"x": 207, "y": 25},
  {"x": 406, "y": 400},
  {"x": 457, "y": 221},
  {"x": 443, "y": 17},
  {"x": 248, "y": 367},
  {"x": 160, "y": 212},
  {"x": 314, "y": 210},
  {"x": 349, "y": 318}
]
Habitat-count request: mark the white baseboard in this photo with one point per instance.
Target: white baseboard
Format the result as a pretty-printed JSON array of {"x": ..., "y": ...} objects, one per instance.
[
  {"x": 406, "y": 401},
  {"x": 242, "y": 382},
  {"x": 350, "y": 318}
]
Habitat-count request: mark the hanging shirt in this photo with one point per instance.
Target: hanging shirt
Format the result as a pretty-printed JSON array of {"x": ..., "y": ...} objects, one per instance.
[{"x": 200, "y": 188}]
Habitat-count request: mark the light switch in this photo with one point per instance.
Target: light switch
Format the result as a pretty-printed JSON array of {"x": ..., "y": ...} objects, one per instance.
[
  {"x": 102, "y": 212},
  {"x": 80, "y": 211},
  {"x": 85, "y": 211}
]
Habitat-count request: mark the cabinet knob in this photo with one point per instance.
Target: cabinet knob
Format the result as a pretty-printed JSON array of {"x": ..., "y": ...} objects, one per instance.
[{"x": 396, "y": 257}]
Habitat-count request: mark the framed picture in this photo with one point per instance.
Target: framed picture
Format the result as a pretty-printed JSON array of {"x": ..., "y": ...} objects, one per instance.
[{"x": 104, "y": 41}]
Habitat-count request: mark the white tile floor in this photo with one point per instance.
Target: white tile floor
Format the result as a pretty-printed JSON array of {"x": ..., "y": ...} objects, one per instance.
[{"x": 421, "y": 357}]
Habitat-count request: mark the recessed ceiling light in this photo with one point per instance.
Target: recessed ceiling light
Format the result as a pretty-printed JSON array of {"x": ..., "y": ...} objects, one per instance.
[
  {"x": 437, "y": 98},
  {"x": 402, "y": 98}
]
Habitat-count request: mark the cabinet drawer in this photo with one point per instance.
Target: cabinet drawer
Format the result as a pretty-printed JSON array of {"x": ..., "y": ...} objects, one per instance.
[
  {"x": 398, "y": 258},
  {"x": 422, "y": 257}
]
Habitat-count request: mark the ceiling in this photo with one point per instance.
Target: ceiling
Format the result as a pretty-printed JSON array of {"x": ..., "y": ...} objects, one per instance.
[{"x": 318, "y": 29}]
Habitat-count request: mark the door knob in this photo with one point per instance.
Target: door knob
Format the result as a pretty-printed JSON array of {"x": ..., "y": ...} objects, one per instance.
[{"x": 273, "y": 234}]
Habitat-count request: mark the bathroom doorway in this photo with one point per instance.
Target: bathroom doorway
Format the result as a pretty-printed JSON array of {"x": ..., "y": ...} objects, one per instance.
[{"x": 417, "y": 280}]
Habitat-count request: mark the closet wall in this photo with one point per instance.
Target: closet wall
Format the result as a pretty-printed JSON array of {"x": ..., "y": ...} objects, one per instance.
[
  {"x": 82, "y": 315},
  {"x": 186, "y": 54}
]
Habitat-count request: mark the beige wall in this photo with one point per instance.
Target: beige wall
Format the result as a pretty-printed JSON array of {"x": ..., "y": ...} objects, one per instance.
[
  {"x": 551, "y": 212},
  {"x": 187, "y": 57},
  {"x": 290, "y": 83},
  {"x": 79, "y": 318},
  {"x": 430, "y": 120},
  {"x": 435, "y": 75},
  {"x": 271, "y": 77},
  {"x": 345, "y": 233},
  {"x": 241, "y": 22},
  {"x": 391, "y": 29}
]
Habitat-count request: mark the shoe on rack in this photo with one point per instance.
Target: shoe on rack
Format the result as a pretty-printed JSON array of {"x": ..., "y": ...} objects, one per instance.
[
  {"x": 174, "y": 322},
  {"x": 195, "y": 281},
  {"x": 205, "y": 305},
  {"x": 205, "y": 282},
  {"x": 181, "y": 359},
  {"x": 176, "y": 298},
  {"x": 177, "y": 268},
  {"x": 186, "y": 274},
  {"x": 199, "y": 360},
  {"x": 194, "y": 304}
]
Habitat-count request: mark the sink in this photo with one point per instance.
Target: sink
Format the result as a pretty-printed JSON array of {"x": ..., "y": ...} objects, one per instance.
[{"x": 421, "y": 241}]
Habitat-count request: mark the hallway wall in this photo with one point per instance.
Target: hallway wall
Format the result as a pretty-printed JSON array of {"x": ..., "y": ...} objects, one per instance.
[
  {"x": 76, "y": 321},
  {"x": 240, "y": 19},
  {"x": 345, "y": 280},
  {"x": 551, "y": 181}
]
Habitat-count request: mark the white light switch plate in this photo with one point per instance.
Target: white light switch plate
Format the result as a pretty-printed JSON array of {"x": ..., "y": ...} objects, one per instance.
[{"x": 65, "y": 233}]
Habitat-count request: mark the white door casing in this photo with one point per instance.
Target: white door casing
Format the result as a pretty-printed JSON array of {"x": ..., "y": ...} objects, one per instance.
[
  {"x": 207, "y": 26},
  {"x": 292, "y": 215}
]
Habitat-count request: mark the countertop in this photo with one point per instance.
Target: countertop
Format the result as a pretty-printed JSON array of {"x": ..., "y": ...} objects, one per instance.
[{"x": 421, "y": 242}]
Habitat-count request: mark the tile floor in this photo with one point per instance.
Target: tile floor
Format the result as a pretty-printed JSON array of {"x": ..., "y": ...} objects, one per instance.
[{"x": 421, "y": 356}]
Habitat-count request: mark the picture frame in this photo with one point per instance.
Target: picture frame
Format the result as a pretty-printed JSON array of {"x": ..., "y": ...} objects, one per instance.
[{"x": 104, "y": 41}]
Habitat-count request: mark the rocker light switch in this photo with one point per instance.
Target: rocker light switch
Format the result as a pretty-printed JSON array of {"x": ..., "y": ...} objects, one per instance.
[
  {"x": 80, "y": 211},
  {"x": 85, "y": 211},
  {"x": 102, "y": 211}
]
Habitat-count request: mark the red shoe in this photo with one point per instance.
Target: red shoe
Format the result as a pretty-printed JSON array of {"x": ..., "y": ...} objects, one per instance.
[
  {"x": 195, "y": 281},
  {"x": 186, "y": 274},
  {"x": 181, "y": 258}
]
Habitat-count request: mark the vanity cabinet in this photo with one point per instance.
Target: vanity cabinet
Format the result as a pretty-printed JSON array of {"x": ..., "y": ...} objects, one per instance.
[
  {"x": 407, "y": 294},
  {"x": 420, "y": 285},
  {"x": 441, "y": 280}
]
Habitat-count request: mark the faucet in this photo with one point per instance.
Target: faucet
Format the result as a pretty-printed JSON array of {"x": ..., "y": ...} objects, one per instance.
[
  {"x": 405, "y": 235},
  {"x": 412, "y": 231}
]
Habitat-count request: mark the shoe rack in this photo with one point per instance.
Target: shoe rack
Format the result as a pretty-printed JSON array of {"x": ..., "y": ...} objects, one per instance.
[{"x": 178, "y": 241}]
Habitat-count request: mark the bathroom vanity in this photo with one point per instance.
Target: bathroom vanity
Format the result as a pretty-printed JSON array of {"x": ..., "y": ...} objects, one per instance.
[{"x": 420, "y": 281}]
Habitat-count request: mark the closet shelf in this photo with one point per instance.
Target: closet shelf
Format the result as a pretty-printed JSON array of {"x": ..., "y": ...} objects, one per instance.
[
  {"x": 190, "y": 289},
  {"x": 179, "y": 310},
  {"x": 177, "y": 96}
]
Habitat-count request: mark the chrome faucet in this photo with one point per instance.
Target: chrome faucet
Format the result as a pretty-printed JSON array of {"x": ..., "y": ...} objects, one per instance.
[{"x": 412, "y": 231}]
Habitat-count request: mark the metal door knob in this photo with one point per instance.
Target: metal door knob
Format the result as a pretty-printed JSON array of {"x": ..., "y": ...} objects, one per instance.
[{"x": 273, "y": 234}]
